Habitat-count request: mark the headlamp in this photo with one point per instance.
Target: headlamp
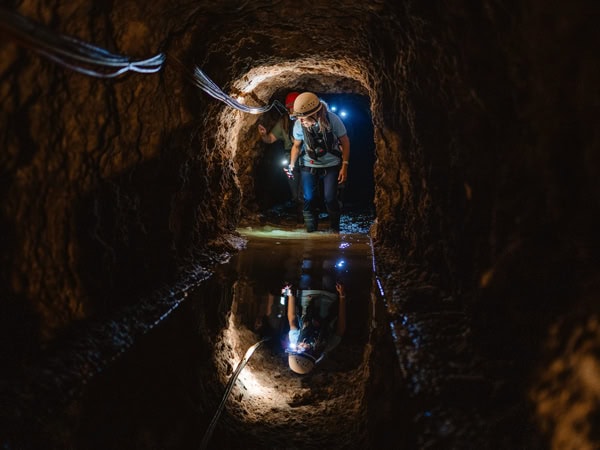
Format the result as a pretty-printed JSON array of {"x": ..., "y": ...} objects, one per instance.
[{"x": 340, "y": 264}]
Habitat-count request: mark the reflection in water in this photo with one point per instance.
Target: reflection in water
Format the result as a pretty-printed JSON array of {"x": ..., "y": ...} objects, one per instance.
[
  {"x": 312, "y": 268},
  {"x": 164, "y": 392},
  {"x": 317, "y": 321},
  {"x": 312, "y": 272}
]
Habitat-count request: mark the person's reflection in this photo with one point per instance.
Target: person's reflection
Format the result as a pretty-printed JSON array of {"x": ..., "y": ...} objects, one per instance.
[
  {"x": 317, "y": 321},
  {"x": 271, "y": 323}
]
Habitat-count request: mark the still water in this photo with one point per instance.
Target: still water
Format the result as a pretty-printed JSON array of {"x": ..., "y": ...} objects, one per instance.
[
  {"x": 316, "y": 262},
  {"x": 164, "y": 392}
]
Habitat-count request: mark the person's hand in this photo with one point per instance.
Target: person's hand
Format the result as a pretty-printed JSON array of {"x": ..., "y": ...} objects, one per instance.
[
  {"x": 343, "y": 175},
  {"x": 286, "y": 289},
  {"x": 262, "y": 130},
  {"x": 289, "y": 171},
  {"x": 339, "y": 287}
]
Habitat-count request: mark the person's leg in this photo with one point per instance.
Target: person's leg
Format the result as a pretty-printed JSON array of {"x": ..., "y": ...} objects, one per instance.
[
  {"x": 297, "y": 194},
  {"x": 309, "y": 188},
  {"x": 320, "y": 202},
  {"x": 293, "y": 183},
  {"x": 330, "y": 191}
]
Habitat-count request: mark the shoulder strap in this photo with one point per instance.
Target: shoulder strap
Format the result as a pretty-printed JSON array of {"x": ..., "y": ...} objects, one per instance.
[
  {"x": 327, "y": 139},
  {"x": 334, "y": 141}
]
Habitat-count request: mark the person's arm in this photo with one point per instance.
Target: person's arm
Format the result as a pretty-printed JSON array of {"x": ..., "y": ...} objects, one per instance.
[
  {"x": 341, "y": 321},
  {"x": 267, "y": 138},
  {"x": 345, "y": 144},
  {"x": 294, "y": 153},
  {"x": 271, "y": 299},
  {"x": 291, "y": 311}
]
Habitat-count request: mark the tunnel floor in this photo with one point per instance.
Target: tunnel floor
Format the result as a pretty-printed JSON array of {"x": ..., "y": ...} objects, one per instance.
[
  {"x": 415, "y": 384},
  {"x": 166, "y": 392}
]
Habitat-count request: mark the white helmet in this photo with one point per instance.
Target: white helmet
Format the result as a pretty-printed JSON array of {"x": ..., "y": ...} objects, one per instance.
[
  {"x": 300, "y": 363},
  {"x": 306, "y": 104}
]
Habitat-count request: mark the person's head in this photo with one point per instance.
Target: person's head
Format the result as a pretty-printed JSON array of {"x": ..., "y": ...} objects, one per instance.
[
  {"x": 301, "y": 363},
  {"x": 306, "y": 108},
  {"x": 289, "y": 100},
  {"x": 308, "y": 351}
]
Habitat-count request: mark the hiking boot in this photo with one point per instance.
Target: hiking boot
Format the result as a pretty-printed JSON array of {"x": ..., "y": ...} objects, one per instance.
[
  {"x": 334, "y": 221},
  {"x": 310, "y": 221}
]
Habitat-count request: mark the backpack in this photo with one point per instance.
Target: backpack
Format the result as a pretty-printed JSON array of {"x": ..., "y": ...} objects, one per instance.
[
  {"x": 317, "y": 336},
  {"x": 318, "y": 143}
]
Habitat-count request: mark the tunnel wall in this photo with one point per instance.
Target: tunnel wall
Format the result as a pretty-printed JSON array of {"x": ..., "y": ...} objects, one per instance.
[
  {"x": 496, "y": 201},
  {"x": 487, "y": 138},
  {"x": 109, "y": 186}
]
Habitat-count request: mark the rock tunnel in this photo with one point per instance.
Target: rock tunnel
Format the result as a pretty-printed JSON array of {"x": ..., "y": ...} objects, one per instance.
[{"x": 120, "y": 195}]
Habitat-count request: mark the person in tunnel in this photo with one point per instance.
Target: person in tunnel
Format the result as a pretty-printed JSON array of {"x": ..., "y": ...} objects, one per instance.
[
  {"x": 317, "y": 325},
  {"x": 271, "y": 322},
  {"x": 282, "y": 132},
  {"x": 322, "y": 148}
]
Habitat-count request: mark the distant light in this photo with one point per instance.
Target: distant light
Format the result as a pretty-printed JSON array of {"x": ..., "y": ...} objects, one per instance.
[
  {"x": 341, "y": 263},
  {"x": 343, "y": 113},
  {"x": 284, "y": 162},
  {"x": 344, "y": 245},
  {"x": 334, "y": 108}
]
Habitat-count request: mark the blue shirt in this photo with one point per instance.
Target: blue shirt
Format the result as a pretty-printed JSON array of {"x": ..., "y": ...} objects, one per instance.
[
  {"x": 328, "y": 160},
  {"x": 325, "y": 301}
]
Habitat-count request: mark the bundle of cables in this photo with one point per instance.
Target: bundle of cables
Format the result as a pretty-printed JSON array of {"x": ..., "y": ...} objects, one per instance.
[
  {"x": 73, "y": 53},
  {"x": 207, "y": 85},
  {"x": 79, "y": 56}
]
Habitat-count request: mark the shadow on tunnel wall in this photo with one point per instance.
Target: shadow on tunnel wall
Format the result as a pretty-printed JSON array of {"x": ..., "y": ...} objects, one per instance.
[
  {"x": 19, "y": 322},
  {"x": 19, "y": 335},
  {"x": 136, "y": 230}
]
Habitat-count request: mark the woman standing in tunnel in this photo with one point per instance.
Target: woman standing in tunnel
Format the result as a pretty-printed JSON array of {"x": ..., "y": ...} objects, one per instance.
[{"x": 322, "y": 145}]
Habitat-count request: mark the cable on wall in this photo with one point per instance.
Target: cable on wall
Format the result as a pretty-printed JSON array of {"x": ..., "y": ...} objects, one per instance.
[
  {"x": 207, "y": 85},
  {"x": 72, "y": 53}
]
